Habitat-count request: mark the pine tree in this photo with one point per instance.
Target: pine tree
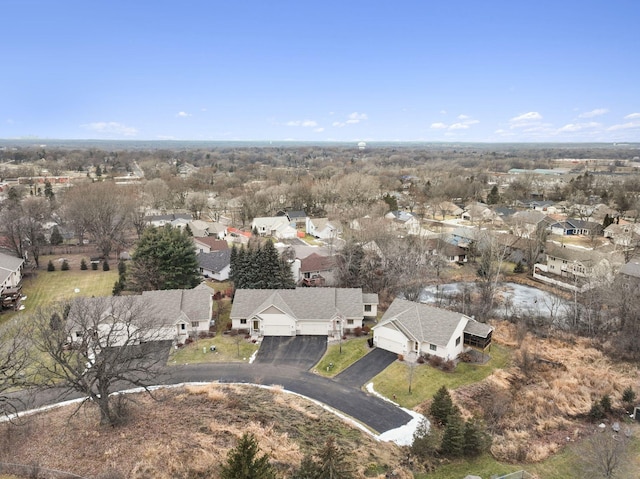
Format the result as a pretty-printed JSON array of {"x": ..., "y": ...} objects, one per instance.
[
  {"x": 50, "y": 266},
  {"x": 243, "y": 461},
  {"x": 426, "y": 440},
  {"x": 332, "y": 462},
  {"x": 65, "y": 266},
  {"x": 56, "y": 237},
  {"x": 308, "y": 469},
  {"x": 476, "y": 439},
  {"x": 453, "y": 436},
  {"x": 164, "y": 258},
  {"x": 83, "y": 264},
  {"x": 442, "y": 406},
  {"x": 494, "y": 196},
  {"x": 628, "y": 396}
]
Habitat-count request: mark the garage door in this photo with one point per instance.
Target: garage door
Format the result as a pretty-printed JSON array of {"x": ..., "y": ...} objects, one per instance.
[
  {"x": 313, "y": 328},
  {"x": 278, "y": 330},
  {"x": 390, "y": 345}
]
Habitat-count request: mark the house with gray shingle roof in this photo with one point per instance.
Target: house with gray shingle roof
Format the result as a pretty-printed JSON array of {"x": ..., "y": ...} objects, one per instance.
[
  {"x": 300, "y": 311},
  {"x": 10, "y": 280},
  {"x": 216, "y": 264},
  {"x": 161, "y": 315},
  {"x": 416, "y": 329}
]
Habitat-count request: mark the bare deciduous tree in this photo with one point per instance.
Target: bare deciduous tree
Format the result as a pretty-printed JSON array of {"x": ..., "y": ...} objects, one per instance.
[
  {"x": 99, "y": 346},
  {"x": 605, "y": 454},
  {"x": 14, "y": 361}
]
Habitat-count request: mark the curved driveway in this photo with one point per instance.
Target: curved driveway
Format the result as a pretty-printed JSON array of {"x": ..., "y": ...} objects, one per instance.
[{"x": 378, "y": 414}]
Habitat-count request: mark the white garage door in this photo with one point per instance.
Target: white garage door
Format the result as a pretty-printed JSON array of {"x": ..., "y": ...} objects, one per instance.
[
  {"x": 390, "y": 345},
  {"x": 313, "y": 328},
  {"x": 278, "y": 330}
]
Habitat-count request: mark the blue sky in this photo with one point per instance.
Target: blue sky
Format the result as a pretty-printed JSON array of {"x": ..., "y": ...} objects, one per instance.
[{"x": 465, "y": 70}]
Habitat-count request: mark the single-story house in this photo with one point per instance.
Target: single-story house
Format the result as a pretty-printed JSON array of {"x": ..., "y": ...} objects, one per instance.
[
  {"x": 152, "y": 316},
  {"x": 276, "y": 226},
  {"x": 215, "y": 265},
  {"x": 322, "y": 228},
  {"x": 405, "y": 220},
  {"x": 161, "y": 220},
  {"x": 297, "y": 218},
  {"x": 572, "y": 226},
  {"x": 450, "y": 252},
  {"x": 201, "y": 228},
  {"x": 208, "y": 244},
  {"x": 415, "y": 329},
  {"x": 317, "y": 270},
  {"x": 623, "y": 234},
  {"x": 301, "y": 311}
]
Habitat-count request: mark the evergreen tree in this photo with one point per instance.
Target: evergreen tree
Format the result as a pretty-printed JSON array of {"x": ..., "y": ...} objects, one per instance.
[
  {"x": 260, "y": 267},
  {"x": 98, "y": 171},
  {"x": 453, "y": 436},
  {"x": 308, "y": 469},
  {"x": 164, "y": 258},
  {"x": 628, "y": 396},
  {"x": 105, "y": 266},
  {"x": 476, "y": 439},
  {"x": 83, "y": 264},
  {"x": 426, "y": 440},
  {"x": 332, "y": 462},
  {"x": 65, "y": 266},
  {"x": 243, "y": 461},
  {"x": 494, "y": 196},
  {"x": 48, "y": 191},
  {"x": 56, "y": 237},
  {"x": 442, "y": 406},
  {"x": 50, "y": 266}
]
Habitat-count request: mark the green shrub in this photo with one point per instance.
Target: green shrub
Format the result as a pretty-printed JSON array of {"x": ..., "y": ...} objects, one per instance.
[
  {"x": 83, "y": 264},
  {"x": 50, "y": 266},
  {"x": 65, "y": 265},
  {"x": 94, "y": 266},
  {"x": 105, "y": 266}
]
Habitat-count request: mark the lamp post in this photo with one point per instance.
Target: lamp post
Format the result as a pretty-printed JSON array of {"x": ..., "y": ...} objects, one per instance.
[{"x": 339, "y": 322}]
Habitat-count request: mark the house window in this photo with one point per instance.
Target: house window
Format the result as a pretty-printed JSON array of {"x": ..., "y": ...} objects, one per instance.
[
  {"x": 433, "y": 347},
  {"x": 195, "y": 324},
  {"x": 243, "y": 321},
  {"x": 458, "y": 341},
  {"x": 349, "y": 321},
  {"x": 367, "y": 308},
  {"x": 78, "y": 334},
  {"x": 183, "y": 326}
]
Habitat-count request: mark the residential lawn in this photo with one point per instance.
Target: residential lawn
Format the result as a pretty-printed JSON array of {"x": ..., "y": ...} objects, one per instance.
[
  {"x": 426, "y": 380},
  {"x": 483, "y": 466},
  {"x": 228, "y": 349},
  {"x": 352, "y": 350},
  {"x": 44, "y": 287}
]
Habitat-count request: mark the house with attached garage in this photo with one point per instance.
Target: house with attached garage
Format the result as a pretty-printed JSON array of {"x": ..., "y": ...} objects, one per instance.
[
  {"x": 276, "y": 226},
  {"x": 152, "y": 316},
  {"x": 301, "y": 311},
  {"x": 416, "y": 329},
  {"x": 216, "y": 264}
]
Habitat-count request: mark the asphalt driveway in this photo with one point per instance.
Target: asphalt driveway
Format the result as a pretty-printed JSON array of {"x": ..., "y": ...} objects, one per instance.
[
  {"x": 367, "y": 367},
  {"x": 300, "y": 351}
]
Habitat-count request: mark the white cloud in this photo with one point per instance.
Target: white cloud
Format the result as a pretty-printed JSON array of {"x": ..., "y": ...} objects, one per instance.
[
  {"x": 632, "y": 116},
  {"x": 111, "y": 128},
  {"x": 183, "y": 114},
  {"x": 318, "y": 130},
  {"x": 526, "y": 117},
  {"x": 593, "y": 113},
  {"x": 625, "y": 126},
  {"x": 463, "y": 117},
  {"x": 571, "y": 127},
  {"x": 302, "y": 123},
  {"x": 352, "y": 119},
  {"x": 461, "y": 125}
]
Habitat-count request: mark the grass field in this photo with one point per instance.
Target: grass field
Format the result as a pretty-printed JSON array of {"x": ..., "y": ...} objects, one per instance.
[
  {"x": 426, "y": 380},
  {"x": 228, "y": 349},
  {"x": 45, "y": 287}
]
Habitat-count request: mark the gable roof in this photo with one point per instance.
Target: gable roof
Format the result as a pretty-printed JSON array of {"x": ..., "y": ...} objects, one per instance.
[
  {"x": 215, "y": 261},
  {"x": 316, "y": 262},
  {"x": 632, "y": 268},
  {"x": 212, "y": 242},
  {"x": 300, "y": 303},
  {"x": 425, "y": 323}
]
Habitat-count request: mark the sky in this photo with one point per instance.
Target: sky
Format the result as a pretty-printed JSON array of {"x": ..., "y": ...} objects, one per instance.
[{"x": 304, "y": 70}]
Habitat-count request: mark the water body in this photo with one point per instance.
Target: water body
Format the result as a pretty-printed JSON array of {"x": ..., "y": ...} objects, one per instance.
[{"x": 510, "y": 299}]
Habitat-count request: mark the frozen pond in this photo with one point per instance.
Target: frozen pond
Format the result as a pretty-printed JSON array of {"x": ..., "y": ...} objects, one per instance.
[{"x": 510, "y": 298}]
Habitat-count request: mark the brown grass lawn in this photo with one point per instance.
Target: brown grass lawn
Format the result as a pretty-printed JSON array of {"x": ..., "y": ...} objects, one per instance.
[{"x": 187, "y": 433}]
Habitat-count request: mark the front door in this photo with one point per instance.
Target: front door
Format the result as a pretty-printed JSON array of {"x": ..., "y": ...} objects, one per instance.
[{"x": 256, "y": 325}]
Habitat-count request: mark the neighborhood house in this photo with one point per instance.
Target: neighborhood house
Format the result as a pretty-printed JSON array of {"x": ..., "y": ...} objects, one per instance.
[
  {"x": 301, "y": 311},
  {"x": 417, "y": 329}
]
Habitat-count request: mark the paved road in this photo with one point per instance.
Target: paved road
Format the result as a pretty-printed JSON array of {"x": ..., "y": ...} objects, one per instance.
[
  {"x": 284, "y": 363},
  {"x": 367, "y": 367},
  {"x": 376, "y": 413}
]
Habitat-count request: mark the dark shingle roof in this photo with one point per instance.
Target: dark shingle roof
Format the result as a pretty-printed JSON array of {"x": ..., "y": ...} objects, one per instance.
[
  {"x": 316, "y": 262},
  {"x": 215, "y": 261}
]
